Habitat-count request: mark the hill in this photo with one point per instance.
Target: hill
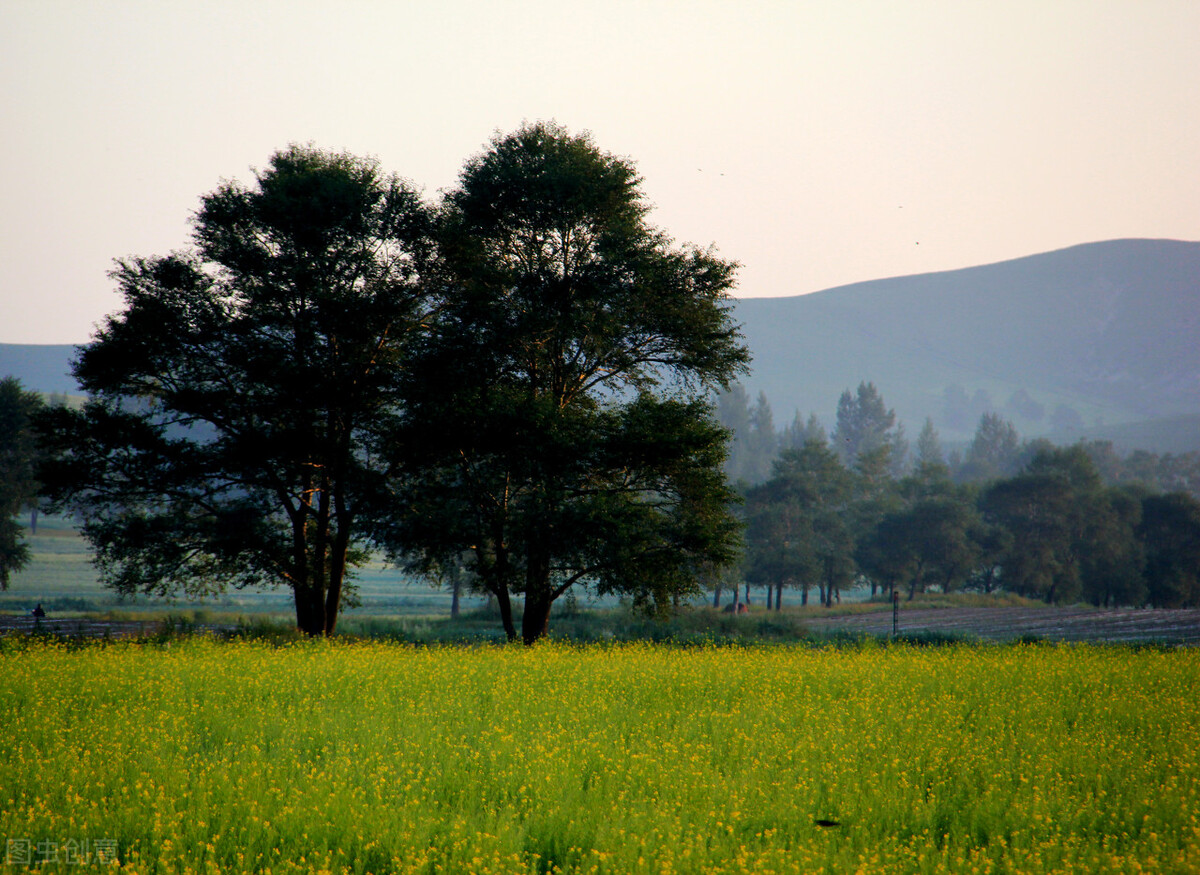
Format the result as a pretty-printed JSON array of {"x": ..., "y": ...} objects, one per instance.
[
  {"x": 1101, "y": 340},
  {"x": 40, "y": 368},
  {"x": 1065, "y": 343}
]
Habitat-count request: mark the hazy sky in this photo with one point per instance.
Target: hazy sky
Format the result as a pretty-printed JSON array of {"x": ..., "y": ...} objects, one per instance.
[{"x": 818, "y": 143}]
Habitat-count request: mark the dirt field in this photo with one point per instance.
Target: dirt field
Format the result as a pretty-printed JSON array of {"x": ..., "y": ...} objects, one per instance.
[
  {"x": 993, "y": 623},
  {"x": 69, "y": 627},
  {"x": 1049, "y": 623}
]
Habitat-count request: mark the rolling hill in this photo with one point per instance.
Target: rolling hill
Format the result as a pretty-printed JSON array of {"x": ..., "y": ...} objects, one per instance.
[
  {"x": 40, "y": 368},
  {"x": 1101, "y": 339},
  {"x": 1107, "y": 331}
]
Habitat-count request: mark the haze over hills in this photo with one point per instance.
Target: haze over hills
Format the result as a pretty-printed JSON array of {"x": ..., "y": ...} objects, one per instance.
[
  {"x": 39, "y": 367},
  {"x": 1102, "y": 334},
  {"x": 1101, "y": 340}
]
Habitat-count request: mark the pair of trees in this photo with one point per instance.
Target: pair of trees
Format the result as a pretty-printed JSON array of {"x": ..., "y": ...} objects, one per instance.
[{"x": 516, "y": 374}]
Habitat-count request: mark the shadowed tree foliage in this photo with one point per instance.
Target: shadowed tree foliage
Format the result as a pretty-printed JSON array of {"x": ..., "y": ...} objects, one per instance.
[
  {"x": 1069, "y": 535},
  {"x": 993, "y": 452},
  {"x": 866, "y": 425},
  {"x": 1170, "y": 531},
  {"x": 236, "y": 399},
  {"x": 1112, "y": 559},
  {"x": 798, "y": 531},
  {"x": 919, "y": 533},
  {"x": 558, "y": 428},
  {"x": 755, "y": 440},
  {"x": 1035, "y": 510},
  {"x": 929, "y": 450},
  {"x": 733, "y": 412},
  {"x": 18, "y": 483},
  {"x": 801, "y": 431}
]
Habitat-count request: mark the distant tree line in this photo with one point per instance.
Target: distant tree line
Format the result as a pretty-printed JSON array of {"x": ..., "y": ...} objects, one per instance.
[
  {"x": 1060, "y": 524},
  {"x": 996, "y": 449},
  {"x": 961, "y": 410}
]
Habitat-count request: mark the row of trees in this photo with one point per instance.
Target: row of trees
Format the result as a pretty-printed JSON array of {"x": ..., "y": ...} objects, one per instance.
[
  {"x": 864, "y": 423},
  {"x": 517, "y": 374},
  {"x": 1053, "y": 530},
  {"x": 863, "y": 419}
]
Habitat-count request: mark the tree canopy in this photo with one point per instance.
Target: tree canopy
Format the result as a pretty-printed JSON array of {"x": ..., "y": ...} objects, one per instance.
[
  {"x": 235, "y": 400},
  {"x": 18, "y": 483},
  {"x": 557, "y": 424}
]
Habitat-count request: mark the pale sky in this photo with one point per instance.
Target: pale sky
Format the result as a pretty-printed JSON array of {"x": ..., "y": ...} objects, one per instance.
[{"x": 817, "y": 143}]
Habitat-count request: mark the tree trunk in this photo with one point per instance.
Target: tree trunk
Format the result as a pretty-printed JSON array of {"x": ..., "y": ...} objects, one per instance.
[
  {"x": 504, "y": 602},
  {"x": 331, "y": 607},
  {"x": 310, "y": 611},
  {"x": 538, "y": 593},
  {"x": 536, "y": 621},
  {"x": 769, "y": 593},
  {"x": 309, "y": 595},
  {"x": 717, "y": 596},
  {"x": 337, "y": 568},
  {"x": 804, "y": 596},
  {"x": 779, "y": 597},
  {"x": 455, "y": 591}
]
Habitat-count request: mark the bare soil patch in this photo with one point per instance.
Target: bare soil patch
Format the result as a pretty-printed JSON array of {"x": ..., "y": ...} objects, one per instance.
[
  {"x": 82, "y": 627},
  {"x": 1078, "y": 623}
]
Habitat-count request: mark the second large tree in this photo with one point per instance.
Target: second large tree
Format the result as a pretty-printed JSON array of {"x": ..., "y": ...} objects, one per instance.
[{"x": 557, "y": 429}]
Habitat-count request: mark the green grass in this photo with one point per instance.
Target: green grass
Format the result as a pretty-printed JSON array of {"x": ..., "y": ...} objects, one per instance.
[
  {"x": 200, "y": 756},
  {"x": 61, "y": 576}
]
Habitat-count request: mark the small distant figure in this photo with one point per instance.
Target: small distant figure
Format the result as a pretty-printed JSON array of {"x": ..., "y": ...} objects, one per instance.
[{"x": 38, "y": 612}]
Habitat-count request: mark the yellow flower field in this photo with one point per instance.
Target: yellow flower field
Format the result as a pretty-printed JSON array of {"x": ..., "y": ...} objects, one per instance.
[{"x": 200, "y": 756}]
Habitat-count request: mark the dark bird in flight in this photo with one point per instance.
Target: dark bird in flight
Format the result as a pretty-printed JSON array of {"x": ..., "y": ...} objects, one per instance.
[{"x": 826, "y": 823}]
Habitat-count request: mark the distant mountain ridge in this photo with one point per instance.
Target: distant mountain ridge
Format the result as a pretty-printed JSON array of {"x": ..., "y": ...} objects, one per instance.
[
  {"x": 39, "y": 367},
  {"x": 1109, "y": 332}
]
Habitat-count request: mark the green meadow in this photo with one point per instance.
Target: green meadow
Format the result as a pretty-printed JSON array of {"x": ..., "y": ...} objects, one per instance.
[
  {"x": 195, "y": 755},
  {"x": 62, "y": 578}
]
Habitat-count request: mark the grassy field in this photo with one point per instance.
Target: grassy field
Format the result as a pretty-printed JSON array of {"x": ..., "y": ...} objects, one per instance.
[
  {"x": 394, "y": 606},
  {"x": 200, "y": 756},
  {"x": 62, "y": 578}
]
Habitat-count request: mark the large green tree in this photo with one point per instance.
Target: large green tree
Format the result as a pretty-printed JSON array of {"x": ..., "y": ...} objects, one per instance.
[
  {"x": 559, "y": 427},
  {"x": 18, "y": 484},
  {"x": 235, "y": 401}
]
